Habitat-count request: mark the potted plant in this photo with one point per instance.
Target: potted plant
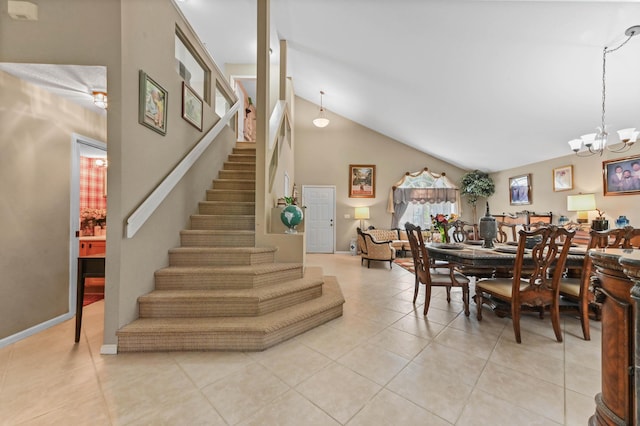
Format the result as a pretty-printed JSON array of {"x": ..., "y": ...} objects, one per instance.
[{"x": 475, "y": 185}]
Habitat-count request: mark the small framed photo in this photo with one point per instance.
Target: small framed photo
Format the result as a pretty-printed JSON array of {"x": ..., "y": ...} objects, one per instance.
[
  {"x": 563, "y": 178},
  {"x": 152, "y": 104},
  {"x": 520, "y": 190},
  {"x": 621, "y": 176},
  {"x": 191, "y": 106},
  {"x": 362, "y": 181}
]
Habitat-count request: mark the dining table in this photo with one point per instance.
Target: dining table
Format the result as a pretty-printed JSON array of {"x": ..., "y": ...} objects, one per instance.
[{"x": 472, "y": 255}]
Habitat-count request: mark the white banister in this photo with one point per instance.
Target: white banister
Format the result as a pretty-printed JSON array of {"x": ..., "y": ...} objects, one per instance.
[
  {"x": 277, "y": 116},
  {"x": 151, "y": 203}
]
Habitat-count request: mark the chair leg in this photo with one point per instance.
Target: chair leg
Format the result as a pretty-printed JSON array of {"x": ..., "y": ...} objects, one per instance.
[
  {"x": 479, "y": 305},
  {"x": 427, "y": 298},
  {"x": 515, "y": 318},
  {"x": 448, "y": 294},
  {"x": 584, "y": 318},
  {"x": 368, "y": 263},
  {"x": 465, "y": 299},
  {"x": 415, "y": 290},
  {"x": 391, "y": 264},
  {"x": 555, "y": 321}
]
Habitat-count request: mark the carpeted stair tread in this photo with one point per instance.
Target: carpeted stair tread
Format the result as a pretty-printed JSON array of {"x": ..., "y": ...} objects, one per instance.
[
  {"x": 217, "y": 238},
  {"x": 226, "y": 276},
  {"x": 233, "y": 295},
  {"x": 244, "y": 270},
  {"x": 234, "y": 250},
  {"x": 264, "y": 324}
]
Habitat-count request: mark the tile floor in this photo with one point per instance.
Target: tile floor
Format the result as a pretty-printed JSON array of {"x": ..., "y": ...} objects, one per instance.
[{"x": 382, "y": 363}]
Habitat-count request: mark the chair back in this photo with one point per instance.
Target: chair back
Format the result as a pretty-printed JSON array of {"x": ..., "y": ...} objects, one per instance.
[
  {"x": 615, "y": 238},
  {"x": 419, "y": 252},
  {"x": 463, "y": 231},
  {"x": 507, "y": 232},
  {"x": 549, "y": 254}
]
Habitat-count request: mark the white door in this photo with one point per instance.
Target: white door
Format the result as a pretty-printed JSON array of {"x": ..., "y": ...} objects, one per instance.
[{"x": 319, "y": 223}]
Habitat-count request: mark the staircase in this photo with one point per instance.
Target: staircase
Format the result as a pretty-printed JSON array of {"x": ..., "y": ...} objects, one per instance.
[{"x": 220, "y": 292}]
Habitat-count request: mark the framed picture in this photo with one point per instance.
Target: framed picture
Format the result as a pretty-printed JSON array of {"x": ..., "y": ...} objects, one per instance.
[
  {"x": 191, "y": 106},
  {"x": 152, "y": 104},
  {"x": 520, "y": 190},
  {"x": 362, "y": 181},
  {"x": 621, "y": 176},
  {"x": 563, "y": 178}
]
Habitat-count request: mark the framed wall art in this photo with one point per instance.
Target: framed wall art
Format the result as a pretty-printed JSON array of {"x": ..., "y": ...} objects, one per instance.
[
  {"x": 152, "y": 104},
  {"x": 563, "y": 178},
  {"x": 191, "y": 106},
  {"x": 621, "y": 176},
  {"x": 362, "y": 181},
  {"x": 520, "y": 190}
]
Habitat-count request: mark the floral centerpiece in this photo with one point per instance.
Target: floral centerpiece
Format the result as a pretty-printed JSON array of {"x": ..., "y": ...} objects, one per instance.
[
  {"x": 440, "y": 224},
  {"x": 89, "y": 218}
]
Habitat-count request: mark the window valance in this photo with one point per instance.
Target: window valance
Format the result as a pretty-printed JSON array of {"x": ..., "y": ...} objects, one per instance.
[{"x": 423, "y": 187}]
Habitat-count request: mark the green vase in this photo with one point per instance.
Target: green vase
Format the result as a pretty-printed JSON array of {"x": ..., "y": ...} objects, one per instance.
[{"x": 443, "y": 235}]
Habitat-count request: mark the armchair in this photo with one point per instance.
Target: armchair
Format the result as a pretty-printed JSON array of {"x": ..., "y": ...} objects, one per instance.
[{"x": 376, "y": 250}]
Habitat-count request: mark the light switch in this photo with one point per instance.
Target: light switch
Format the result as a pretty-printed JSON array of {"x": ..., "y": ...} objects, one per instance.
[{"x": 347, "y": 216}]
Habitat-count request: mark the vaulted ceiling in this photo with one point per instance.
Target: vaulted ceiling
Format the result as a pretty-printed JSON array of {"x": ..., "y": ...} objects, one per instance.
[{"x": 482, "y": 84}]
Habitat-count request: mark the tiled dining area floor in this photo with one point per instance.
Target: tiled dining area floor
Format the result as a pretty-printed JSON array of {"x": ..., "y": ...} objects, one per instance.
[{"x": 382, "y": 363}]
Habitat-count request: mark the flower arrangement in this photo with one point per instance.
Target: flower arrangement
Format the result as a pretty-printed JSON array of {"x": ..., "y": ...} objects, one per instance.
[{"x": 439, "y": 223}]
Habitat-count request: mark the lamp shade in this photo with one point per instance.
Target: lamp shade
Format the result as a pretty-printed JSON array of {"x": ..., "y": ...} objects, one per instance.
[
  {"x": 362, "y": 213},
  {"x": 581, "y": 202}
]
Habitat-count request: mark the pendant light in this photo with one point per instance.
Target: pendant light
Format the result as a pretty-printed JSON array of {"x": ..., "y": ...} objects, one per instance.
[{"x": 321, "y": 120}]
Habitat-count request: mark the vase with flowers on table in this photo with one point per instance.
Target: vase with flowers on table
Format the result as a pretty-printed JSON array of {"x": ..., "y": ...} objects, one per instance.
[{"x": 440, "y": 227}]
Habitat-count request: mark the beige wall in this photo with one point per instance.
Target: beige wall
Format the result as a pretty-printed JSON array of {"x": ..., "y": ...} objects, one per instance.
[
  {"x": 322, "y": 157},
  {"x": 587, "y": 178},
  {"x": 35, "y": 175},
  {"x": 125, "y": 40}
]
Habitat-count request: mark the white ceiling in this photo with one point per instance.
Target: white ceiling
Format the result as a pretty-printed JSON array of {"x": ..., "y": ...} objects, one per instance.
[
  {"x": 73, "y": 82},
  {"x": 481, "y": 84}
]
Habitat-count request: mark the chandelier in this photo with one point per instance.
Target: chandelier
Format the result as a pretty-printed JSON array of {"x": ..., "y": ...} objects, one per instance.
[{"x": 596, "y": 143}]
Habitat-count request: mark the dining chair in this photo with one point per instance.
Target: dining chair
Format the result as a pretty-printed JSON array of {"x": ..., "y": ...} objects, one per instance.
[
  {"x": 507, "y": 232},
  {"x": 463, "y": 231},
  {"x": 442, "y": 276},
  {"x": 577, "y": 290},
  {"x": 538, "y": 290}
]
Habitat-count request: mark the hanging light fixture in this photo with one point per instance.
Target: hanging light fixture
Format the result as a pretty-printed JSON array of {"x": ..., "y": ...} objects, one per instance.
[
  {"x": 321, "y": 120},
  {"x": 595, "y": 143},
  {"x": 100, "y": 98}
]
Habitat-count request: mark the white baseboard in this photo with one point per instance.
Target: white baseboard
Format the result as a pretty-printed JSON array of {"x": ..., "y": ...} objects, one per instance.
[
  {"x": 109, "y": 350},
  {"x": 35, "y": 329}
]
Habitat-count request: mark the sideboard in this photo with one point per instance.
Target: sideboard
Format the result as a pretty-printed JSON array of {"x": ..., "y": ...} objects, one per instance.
[{"x": 618, "y": 286}]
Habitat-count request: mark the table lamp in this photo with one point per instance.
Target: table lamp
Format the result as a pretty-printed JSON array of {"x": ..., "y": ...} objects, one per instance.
[
  {"x": 583, "y": 203},
  {"x": 362, "y": 213}
]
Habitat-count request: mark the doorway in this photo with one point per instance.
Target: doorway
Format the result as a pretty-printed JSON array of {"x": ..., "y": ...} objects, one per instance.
[
  {"x": 81, "y": 147},
  {"x": 320, "y": 217}
]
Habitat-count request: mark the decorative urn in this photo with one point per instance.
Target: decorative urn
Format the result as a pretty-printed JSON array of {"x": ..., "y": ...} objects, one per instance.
[
  {"x": 622, "y": 221},
  {"x": 488, "y": 229}
]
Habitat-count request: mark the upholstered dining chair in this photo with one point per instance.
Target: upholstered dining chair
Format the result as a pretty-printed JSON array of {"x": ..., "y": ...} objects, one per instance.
[
  {"x": 577, "y": 290},
  {"x": 430, "y": 277},
  {"x": 508, "y": 232},
  {"x": 541, "y": 288}
]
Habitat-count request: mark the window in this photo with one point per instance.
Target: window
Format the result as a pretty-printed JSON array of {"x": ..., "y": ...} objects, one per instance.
[
  {"x": 222, "y": 102},
  {"x": 418, "y": 196},
  {"x": 191, "y": 68}
]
